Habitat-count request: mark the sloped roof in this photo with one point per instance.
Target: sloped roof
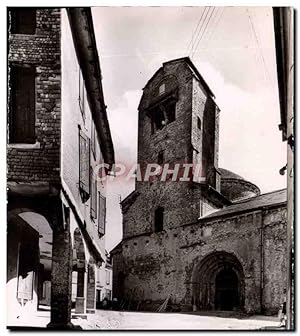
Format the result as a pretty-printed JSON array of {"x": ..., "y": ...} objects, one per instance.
[
  {"x": 265, "y": 200},
  {"x": 115, "y": 249},
  {"x": 81, "y": 24},
  {"x": 228, "y": 174},
  {"x": 195, "y": 70},
  {"x": 192, "y": 67}
]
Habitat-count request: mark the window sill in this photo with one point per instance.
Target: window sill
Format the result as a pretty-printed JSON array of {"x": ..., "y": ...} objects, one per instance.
[{"x": 36, "y": 145}]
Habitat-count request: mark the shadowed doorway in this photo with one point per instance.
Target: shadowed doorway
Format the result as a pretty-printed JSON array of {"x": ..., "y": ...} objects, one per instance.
[
  {"x": 218, "y": 282},
  {"x": 226, "y": 290}
]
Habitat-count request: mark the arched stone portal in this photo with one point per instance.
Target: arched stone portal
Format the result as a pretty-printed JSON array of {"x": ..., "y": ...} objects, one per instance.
[{"x": 218, "y": 282}]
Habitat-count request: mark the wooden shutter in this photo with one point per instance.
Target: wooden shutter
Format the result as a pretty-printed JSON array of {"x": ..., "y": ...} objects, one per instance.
[
  {"x": 84, "y": 166},
  {"x": 93, "y": 195},
  {"x": 93, "y": 139},
  {"x": 22, "y": 104},
  {"x": 102, "y": 215}
]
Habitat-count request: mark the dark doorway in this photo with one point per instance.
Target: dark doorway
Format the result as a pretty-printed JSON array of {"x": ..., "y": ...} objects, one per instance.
[
  {"x": 119, "y": 291},
  {"x": 226, "y": 290}
]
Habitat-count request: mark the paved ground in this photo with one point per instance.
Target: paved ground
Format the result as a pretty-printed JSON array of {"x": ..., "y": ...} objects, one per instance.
[
  {"x": 175, "y": 321},
  {"x": 113, "y": 320}
]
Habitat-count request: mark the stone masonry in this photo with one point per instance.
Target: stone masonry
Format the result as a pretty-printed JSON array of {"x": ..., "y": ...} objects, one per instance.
[{"x": 206, "y": 236}]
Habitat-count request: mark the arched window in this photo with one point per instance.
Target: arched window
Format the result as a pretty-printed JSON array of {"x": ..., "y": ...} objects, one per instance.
[{"x": 159, "y": 219}]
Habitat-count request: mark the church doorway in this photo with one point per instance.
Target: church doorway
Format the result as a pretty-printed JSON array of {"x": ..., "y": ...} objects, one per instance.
[
  {"x": 218, "y": 283},
  {"x": 226, "y": 297}
]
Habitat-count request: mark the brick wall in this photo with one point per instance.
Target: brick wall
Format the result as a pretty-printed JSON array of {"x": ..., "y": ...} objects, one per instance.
[{"x": 41, "y": 50}]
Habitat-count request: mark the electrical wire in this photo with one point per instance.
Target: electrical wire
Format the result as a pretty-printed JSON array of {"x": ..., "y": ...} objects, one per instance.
[{"x": 207, "y": 23}]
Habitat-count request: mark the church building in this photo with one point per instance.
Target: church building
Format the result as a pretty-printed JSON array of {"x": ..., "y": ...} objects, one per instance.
[{"x": 213, "y": 242}]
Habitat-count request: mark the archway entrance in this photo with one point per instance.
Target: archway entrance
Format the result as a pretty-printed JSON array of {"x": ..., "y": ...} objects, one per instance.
[
  {"x": 218, "y": 283},
  {"x": 226, "y": 290},
  {"x": 29, "y": 259}
]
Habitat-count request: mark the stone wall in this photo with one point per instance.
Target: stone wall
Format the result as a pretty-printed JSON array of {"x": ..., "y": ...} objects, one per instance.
[
  {"x": 41, "y": 161},
  {"x": 275, "y": 268},
  {"x": 205, "y": 139},
  {"x": 159, "y": 264},
  {"x": 174, "y": 138},
  {"x": 180, "y": 200}
]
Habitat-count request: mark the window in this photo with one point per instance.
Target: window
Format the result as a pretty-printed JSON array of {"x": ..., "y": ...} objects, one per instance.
[
  {"x": 81, "y": 97},
  {"x": 108, "y": 294},
  {"x": 201, "y": 209},
  {"x": 162, "y": 115},
  {"x": 84, "y": 166},
  {"x": 22, "y": 104},
  {"x": 160, "y": 158},
  {"x": 107, "y": 277},
  {"x": 93, "y": 195},
  {"x": 162, "y": 89},
  {"x": 101, "y": 215},
  {"x": 23, "y": 21},
  {"x": 159, "y": 219},
  {"x": 170, "y": 111},
  {"x": 199, "y": 123},
  {"x": 158, "y": 120}
]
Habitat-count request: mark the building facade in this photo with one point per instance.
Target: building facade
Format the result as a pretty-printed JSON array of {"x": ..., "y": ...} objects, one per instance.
[
  {"x": 284, "y": 30},
  {"x": 211, "y": 242},
  {"x": 58, "y": 133},
  {"x": 104, "y": 281}
]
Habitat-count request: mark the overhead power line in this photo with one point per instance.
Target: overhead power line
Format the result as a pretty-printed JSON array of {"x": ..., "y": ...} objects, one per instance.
[
  {"x": 203, "y": 32},
  {"x": 192, "y": 39},
  {"x": 259, "y": 47},
  {"x": 221, "y": 12},
  {"x": 207, "y": 9},
  {"x": 196, "y": 34}
]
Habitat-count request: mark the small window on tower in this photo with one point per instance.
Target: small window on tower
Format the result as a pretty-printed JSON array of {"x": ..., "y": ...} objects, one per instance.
[
  {"x": 158, "y": 120},
  {"x": 159, "y": 219},
  {"x": 162, "y": 89},
  {"x": 170, "y": 111},
  {"x": 199, "y": 123},
  {"x": 201, "y": 209},
  {"x": 160, "y": 158}
]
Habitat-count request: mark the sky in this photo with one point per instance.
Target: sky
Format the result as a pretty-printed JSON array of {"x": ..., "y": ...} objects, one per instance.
[{"x": 233, "y": 49}]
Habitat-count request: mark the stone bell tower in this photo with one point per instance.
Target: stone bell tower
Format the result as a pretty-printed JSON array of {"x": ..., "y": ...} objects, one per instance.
[
  {"x": 178, "y": 124},
  {"x": 179, "y": 120}
]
